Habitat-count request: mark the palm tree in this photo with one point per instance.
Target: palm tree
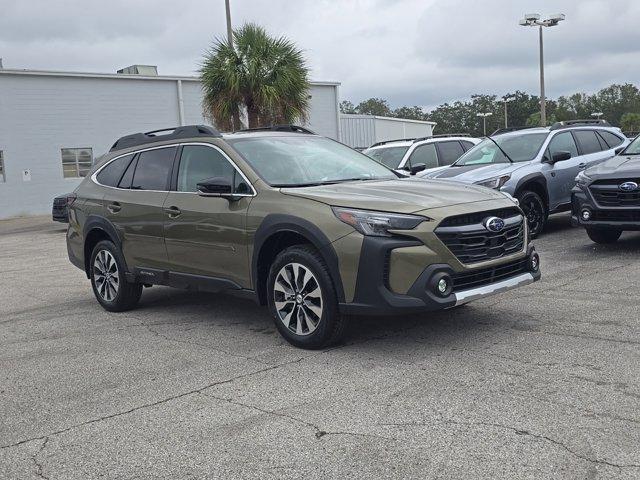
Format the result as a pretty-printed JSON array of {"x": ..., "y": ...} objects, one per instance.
[{"x": 262, "y": 75}]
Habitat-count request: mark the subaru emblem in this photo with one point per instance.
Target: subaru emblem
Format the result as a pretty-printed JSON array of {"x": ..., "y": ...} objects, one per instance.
[
  {"x": 628, "y": 186},
  {"x": 494, "y": 224}
]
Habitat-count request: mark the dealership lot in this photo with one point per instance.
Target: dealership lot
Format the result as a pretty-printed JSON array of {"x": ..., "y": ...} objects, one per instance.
[{"x": 540, "y": 382}]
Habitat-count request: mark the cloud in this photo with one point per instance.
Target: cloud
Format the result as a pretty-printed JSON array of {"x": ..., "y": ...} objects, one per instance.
[{"x": 413, "y": 52}]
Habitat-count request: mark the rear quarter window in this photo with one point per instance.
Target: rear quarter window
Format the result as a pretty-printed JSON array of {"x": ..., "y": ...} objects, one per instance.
[
  {"x": 111, "y": 174},
  {"x": 610, "y": 139}
]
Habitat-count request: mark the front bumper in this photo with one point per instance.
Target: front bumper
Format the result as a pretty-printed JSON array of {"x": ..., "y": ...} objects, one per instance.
[
  {"x": 374, "y": 297},
  {"x": 621, "y": 218}
]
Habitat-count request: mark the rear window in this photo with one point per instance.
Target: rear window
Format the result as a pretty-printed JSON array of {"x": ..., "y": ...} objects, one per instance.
[
  {"x": 587, "y": 141},
  {"x": 112, "y": 173},
  {"x": 389, "y": 156},
  {"x": 610, "y": 139},
  {"x": 153, "y": 168}
]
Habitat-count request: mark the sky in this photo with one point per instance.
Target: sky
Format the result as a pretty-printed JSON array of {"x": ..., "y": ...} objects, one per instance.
[{"x": 410, "y": 52}]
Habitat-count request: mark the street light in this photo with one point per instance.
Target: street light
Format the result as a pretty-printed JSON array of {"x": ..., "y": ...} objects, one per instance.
[
  {"x": 484, "y": 121},
  {"x": 597, "y": 115},
  {"x": 507, "y": 100},
  {"x": 533, "y": 20}
]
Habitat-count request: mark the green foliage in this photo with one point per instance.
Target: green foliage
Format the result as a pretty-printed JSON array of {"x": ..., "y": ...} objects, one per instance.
[
  {"x": 614, "y": 101},
  {"x": 630, "y": 122},
  {"x": 347, "y": 107},
  {"x": 264, "y": 75}
]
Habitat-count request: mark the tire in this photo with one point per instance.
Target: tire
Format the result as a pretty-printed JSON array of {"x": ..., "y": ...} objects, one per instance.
[
  {"x": 604, "y": 236},
  {"x": 108, "y": 281},
  {"x": 535, "y": 211},
  {"x": 303, "y": 302}
]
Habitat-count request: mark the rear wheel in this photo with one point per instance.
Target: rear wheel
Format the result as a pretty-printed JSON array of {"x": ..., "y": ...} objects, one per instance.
[
  {"x": 109, "y": 284},
  {"x": 600, "y": 235},
  {"x": 302, "y": 298},
  {"x": 535, "y": 211}
]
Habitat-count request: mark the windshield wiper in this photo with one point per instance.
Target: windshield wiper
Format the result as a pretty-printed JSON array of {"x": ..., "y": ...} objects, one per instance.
[
  {"x": 503, "y": 152},
  {"x": 310, "y": 184}
]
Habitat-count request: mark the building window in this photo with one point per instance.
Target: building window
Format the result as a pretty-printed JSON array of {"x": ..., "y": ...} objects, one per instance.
[
  {"x": 76, "y": 162},
  {"x": 2, "y": 178}
]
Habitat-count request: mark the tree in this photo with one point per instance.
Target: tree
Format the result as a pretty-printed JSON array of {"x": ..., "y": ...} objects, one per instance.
[
  {"x": 263, "y": 75},
  {"x": 374, "y": 106},
  {"x": 411, "y": 113},
  {"x": 347, "y": 107},
  {"x": 630, "y": 122}
]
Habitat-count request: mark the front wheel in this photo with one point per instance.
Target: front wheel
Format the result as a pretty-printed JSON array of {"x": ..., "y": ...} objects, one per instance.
[
  {"x": 534, "y": 210},
  {"x": 600, "y": 235},
  {"x": 302, "y": 298}
]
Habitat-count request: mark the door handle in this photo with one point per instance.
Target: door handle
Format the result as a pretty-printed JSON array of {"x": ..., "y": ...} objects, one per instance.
[
  {"x": 114, "y": 207},
  {"x": 582, "y": 165},
  {"x": 173, "y": 212}
]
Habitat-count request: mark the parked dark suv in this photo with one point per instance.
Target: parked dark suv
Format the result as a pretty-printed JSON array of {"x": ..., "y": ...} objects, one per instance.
[
  {"x": 606, "y": 198},
  {"x": 299, "y": 222}
]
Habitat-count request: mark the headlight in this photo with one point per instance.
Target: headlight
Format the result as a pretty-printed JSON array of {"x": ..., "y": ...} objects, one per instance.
[
  {"x": 495, "y": 182},
  {"x": 582, "y": 180},
  {"x": 377, "y": 224}
]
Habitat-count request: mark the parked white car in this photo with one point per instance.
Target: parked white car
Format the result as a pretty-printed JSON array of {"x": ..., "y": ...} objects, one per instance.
[{"x": 410, "y": 154}]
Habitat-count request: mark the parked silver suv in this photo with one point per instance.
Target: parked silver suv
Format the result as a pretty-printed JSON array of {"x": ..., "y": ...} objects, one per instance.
[{"x": 537, "y": 165}]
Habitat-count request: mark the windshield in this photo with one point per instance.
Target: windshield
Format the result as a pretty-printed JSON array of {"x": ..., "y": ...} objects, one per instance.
[
  {"x": 633, "y": 148},
  {"x": 390, "y": 156},
  {"x": 521, "y": 148},
  {"x": 300, "y": 160}
]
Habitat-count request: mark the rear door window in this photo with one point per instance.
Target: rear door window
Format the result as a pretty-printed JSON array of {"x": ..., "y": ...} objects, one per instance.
[
  {"x": 449, "y": 152},
  {"x": 587, "y": 141},
  {"x": 424, "y": 154},
  {"x": 153, "y": 169},
  {"x": 111, "y": 174}
]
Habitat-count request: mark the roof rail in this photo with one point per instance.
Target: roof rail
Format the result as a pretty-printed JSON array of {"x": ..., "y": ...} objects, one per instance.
[
  {"x": 278, "y": 128},
  {"x": 441, "y": 135},
  {"x": 579, "y": 123},
  {"x": 393, "y": 140},
  {"x": 511, "y": 129},
  {"x": 186, "y": 131}
]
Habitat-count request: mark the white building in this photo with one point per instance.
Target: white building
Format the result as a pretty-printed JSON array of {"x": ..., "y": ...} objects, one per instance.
[
  {"x": 362, "y": 131},
  {"x": 53, "y": 124}
]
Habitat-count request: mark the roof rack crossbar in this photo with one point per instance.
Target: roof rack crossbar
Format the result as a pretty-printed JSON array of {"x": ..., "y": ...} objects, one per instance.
[
  {"x": 441, "y": 135},
  {"x": 186, "y": 131},
  {"x": 278, "y": 128},
  {"x": 578, "y": 123}
]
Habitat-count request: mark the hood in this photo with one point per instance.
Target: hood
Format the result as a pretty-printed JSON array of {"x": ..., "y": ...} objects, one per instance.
[
  {"x": 400, "y": 196},
  {"x": 620, "y": 166},
  {"x": 475, "y": 173}
]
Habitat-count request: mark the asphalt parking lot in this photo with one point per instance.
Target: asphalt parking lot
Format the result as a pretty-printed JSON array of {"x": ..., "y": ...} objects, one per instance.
[{"x": 541, "y": 382}]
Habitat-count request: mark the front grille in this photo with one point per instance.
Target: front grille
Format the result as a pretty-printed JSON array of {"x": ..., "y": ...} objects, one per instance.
[
  {"x": 468, "y": 239},
  {"x": 616, "y": 215},
  {"x": 486, "y": 276},
  {"x": 60, "y": 202},
  {"x": 607, "y": 193}
]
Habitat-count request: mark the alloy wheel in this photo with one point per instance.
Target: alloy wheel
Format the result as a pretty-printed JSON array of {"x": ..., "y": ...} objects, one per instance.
[
  {"x": 106, "y": 275},
  {"x": 534, "y": 212},
  {"x": 298, "y": 298}
]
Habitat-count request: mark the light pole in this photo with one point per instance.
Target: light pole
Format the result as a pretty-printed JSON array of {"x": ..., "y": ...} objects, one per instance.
[
  {"x": 597, "y": 115},
  {"x": 484, "y": 121},
  {"x": 533, "y": 20},
  {"x": 229, "y": 31},
  {"x": 507, "y": 100}
]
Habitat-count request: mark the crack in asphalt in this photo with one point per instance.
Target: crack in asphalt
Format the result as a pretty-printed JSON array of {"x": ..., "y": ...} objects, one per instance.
[
  {"x": 319, "y": 432},
  {"x": 519, "y": 431},
  {"x": 156, "y": 403},
  {"x": 39, "y": 465}
]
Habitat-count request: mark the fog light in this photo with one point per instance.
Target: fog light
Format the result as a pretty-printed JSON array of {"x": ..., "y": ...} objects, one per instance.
[
  {"x": 443, "y": 286},
  {"x": 534, "y": 262},
  {"x": 586, "y": 215}
]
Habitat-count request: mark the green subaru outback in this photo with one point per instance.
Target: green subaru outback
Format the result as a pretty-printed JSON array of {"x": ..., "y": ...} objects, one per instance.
[{"x": 299, "y": 222}]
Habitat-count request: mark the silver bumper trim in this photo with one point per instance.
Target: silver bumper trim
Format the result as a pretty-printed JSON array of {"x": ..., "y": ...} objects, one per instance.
[{"x": 466, "y": 296}]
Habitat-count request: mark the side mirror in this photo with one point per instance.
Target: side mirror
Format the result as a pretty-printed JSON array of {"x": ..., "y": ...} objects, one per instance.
[
  {"x": 418, "y": 167},
  {"x": 560, "y": 156},
  {"x": 618, "y": 150},
  {"x": 215, "y": 187}
]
